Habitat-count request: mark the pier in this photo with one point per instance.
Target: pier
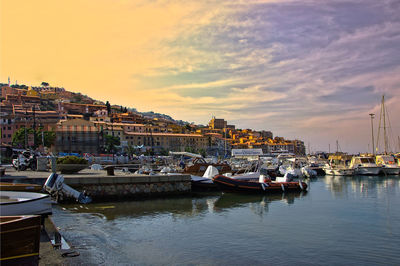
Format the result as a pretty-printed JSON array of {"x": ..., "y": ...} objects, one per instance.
[{"x": 102, "y": 187}]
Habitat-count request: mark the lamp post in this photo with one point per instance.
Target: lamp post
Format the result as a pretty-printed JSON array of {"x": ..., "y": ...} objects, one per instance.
[{"x": 372, "y": 131}]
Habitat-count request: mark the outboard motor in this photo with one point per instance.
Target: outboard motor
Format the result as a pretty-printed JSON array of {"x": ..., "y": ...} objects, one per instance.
[{"x": 55, "y": 183}]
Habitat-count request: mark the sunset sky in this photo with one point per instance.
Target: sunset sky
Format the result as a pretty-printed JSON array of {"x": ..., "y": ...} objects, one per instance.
[{"x": 310, "y": 69}]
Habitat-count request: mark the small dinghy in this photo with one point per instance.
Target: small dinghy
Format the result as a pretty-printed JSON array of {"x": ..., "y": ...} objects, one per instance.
[
  {"x": 24, "y": 203},
  {"x": 227, "y": 184},
  {"x": 20, "y": 240}
]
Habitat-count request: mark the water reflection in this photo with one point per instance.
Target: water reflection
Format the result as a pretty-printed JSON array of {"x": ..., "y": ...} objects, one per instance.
[
  {"x": 361, "y": 186},
  {"x": 339, "y": 221},
  {"x": 185, "y": 206},
  {"x": 257, "y": 203}
]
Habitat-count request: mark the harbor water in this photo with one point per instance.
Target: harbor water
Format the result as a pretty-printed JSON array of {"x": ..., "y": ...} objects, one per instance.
[{"x": 339, "y": 221}]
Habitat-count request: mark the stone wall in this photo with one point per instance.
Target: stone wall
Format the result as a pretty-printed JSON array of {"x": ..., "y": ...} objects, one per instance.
[{"x": 114, "y": 188}]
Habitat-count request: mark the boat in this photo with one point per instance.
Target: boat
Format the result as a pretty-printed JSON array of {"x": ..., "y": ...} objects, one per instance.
[
  {"x": 5, "y": 186},
  {"x": 206, "y": 183},
  {"x": 228, "y": 184},
  {"x": 388, "y": 164},
  {"x": 20, "y": 240},
  {"x": 24, "y": 203},
  {"x": 201, "y": 183},
  {"x": 295, "y": 168},
  {"x": 337, "y": 165},
  {"x": 199, "y": 167},
  {"x": 317, "y": 164},
  {"x": 364, "y": 165}
]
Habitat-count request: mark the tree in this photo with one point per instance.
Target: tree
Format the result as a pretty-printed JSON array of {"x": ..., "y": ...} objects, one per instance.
[
  {"x": 111, "y": 142},
  {"x": 48, "y": 137},
  {"x": 190, "y": 149},
  {"x": 163, "y": 152},
  {"x": 18, "y": 138},
  {"x": 202, "y": 152},
  {"x": 108, "y": 107},
  {"x": 44, "y": 84}
]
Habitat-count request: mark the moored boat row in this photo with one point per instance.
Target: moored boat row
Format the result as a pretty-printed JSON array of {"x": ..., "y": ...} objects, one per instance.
[{"x": 346, "y": 165}]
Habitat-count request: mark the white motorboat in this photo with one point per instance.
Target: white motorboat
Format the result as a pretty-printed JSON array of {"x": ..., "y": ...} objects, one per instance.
[
  {"x": 364, "y": 165},
  {"x": 329, "y": 170},
  {"x": 24, "y": 203},
  {"x": 388, "y": 164},
  {"x": 337, "y": 165},
  {"x": 294, "y": 168}
]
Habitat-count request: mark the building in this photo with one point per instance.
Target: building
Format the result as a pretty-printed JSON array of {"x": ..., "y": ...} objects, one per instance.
[
  {"x": 216, "y": 123},
  {"x": 77, "y": 136},
  {"x": 10, "y": 123},
  {"x": 166, "y": 141},
  {"x": 79, "y": 108}
]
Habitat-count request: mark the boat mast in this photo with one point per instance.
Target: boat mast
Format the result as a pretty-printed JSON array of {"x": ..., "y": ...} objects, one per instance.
[
  {"x": 398, "y": 140},
  {"x": 384, "y": 124},
  {"x": 382, "y": 117},
  {"x": 224, "y": 143},
  {"x": 372, "y": 131}
]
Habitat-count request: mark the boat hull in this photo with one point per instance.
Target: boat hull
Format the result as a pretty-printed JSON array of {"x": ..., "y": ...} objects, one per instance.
[
  {"x": 391, "y": 170},
  {"x": 339, "y": 172},
  {"x": 20, "y": 240},
  {"x": 24, "y": 203},
  {"x": 4, "y": 186},
  {"x": 227, "y": 184},
  {"x": 367, "y": 170}
]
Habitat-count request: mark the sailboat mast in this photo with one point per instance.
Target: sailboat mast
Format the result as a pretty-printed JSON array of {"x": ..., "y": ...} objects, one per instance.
[
  {"x": 384, "y": 124},
  {"x": 372, "y": 131},
  {"x": 398, "y": 140}
]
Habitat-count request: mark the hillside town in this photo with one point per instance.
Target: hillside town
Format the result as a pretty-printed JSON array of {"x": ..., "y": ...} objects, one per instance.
[{"x": 54, "y": 120}]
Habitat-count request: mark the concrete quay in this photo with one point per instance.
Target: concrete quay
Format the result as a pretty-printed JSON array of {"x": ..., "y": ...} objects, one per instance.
[{"x": 101, "y": 187}]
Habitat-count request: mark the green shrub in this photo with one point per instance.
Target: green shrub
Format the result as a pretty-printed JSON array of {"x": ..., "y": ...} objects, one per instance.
[{"x": 71, "y": 160}]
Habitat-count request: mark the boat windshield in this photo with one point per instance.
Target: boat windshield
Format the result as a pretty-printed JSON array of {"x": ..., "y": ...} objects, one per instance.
[{"x": 367, "y": 160}]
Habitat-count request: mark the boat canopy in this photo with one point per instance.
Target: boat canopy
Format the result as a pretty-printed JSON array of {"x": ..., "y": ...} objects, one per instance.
[{"x": 184, "y": 153}]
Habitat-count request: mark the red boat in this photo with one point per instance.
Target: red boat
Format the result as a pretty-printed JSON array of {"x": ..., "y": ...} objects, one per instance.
[{"x": 227, "y": 184}]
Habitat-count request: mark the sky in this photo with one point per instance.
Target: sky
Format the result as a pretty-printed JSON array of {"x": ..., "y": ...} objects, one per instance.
[{"x": 312, "y": 69}]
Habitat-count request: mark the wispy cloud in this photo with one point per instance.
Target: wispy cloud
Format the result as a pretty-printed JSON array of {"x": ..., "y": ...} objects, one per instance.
[{"x": 309, "y": 69}]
